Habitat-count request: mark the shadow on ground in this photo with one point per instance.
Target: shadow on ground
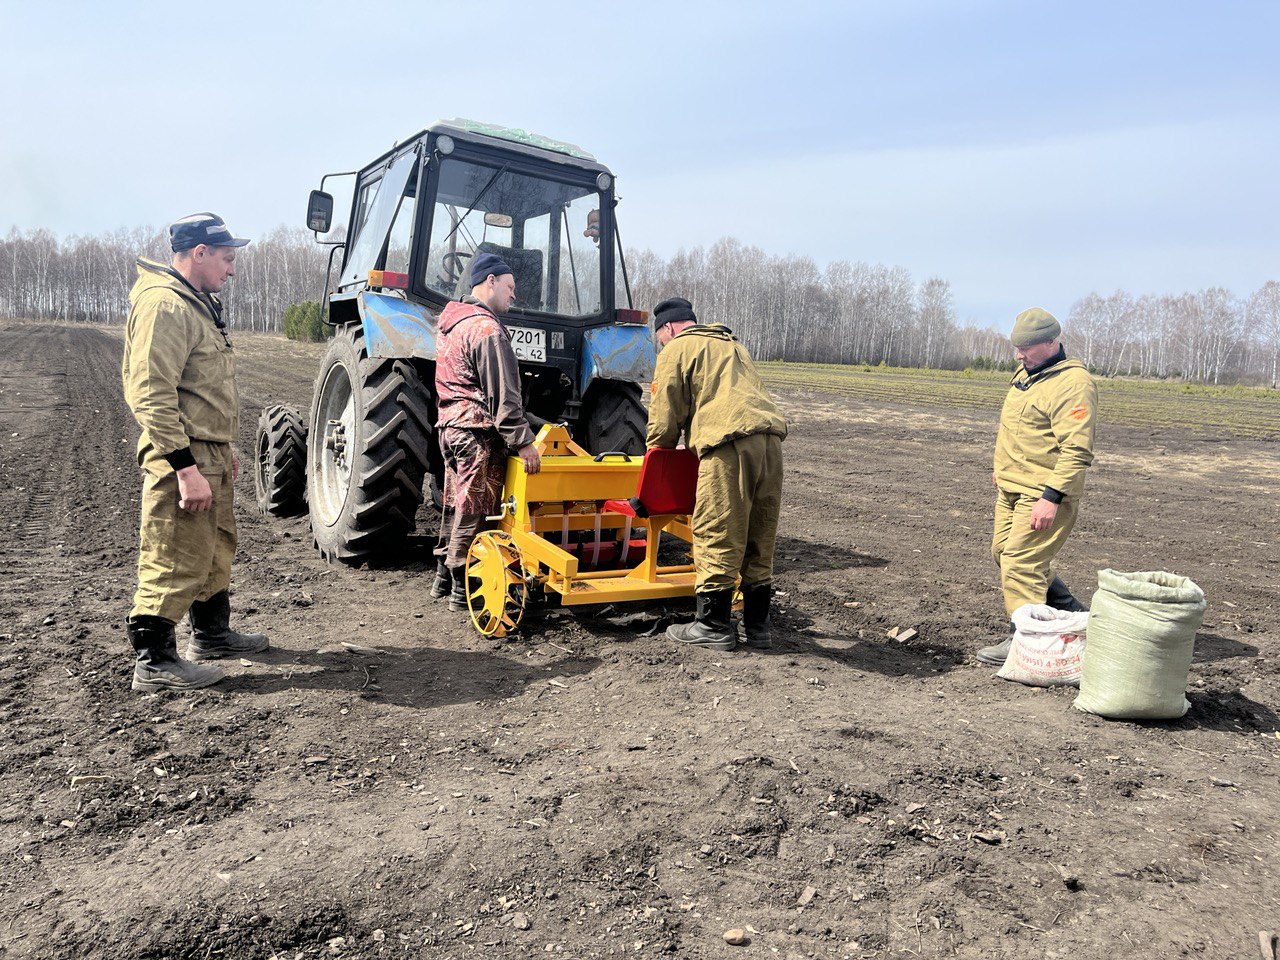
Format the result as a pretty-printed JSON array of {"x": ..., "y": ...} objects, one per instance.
[
  {"x": 1214, "y": 646},
  {"x": 422, "y": 677},
  {"x": 1227, "y": 711}
]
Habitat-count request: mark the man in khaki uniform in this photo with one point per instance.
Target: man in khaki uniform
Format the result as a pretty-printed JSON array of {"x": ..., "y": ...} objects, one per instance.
[
  {"x": 1043, "y": 448},
  {"x": 706, "y": 388},
  {"x": 179, "y": 380}
]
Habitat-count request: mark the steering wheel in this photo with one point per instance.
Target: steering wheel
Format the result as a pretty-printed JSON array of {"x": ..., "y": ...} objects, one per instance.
[{"x": 453, "y": 264}]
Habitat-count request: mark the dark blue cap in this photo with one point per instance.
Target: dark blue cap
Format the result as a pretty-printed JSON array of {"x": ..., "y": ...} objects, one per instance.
[
  {"x": 207, "y": 228},
  {"x": 486, "y": 264}
]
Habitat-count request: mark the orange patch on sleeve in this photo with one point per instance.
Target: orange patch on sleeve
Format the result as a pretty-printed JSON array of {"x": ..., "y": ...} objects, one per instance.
[
  {"x": 653, "y": 386},
  {"x": 1078, "y": 413}
]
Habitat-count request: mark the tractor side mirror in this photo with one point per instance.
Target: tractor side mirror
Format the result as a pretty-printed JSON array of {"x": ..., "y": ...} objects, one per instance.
[{"x": 319, "y": 211}]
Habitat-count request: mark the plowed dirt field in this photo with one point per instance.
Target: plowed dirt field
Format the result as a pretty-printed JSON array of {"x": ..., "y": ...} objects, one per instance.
[{"x": 591, "y": 791}]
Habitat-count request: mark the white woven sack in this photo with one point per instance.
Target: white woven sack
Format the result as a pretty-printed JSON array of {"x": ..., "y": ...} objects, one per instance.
[
  {"x": 1142, "y": 631},
  {"x": 1048, "y": 647}
]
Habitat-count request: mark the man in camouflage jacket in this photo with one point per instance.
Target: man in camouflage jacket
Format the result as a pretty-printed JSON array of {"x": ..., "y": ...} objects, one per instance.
[{"x": 480, "y": 416}]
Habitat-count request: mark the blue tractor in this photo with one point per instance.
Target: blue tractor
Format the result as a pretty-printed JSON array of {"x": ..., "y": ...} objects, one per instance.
[{"x": 419, "y": 214}]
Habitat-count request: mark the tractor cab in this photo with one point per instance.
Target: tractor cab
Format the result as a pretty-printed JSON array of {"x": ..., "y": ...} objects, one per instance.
[
  {"x": 424, "y": 210},
  {"x": 420, "y": 214},
  {"x": 461, "y": 188}
]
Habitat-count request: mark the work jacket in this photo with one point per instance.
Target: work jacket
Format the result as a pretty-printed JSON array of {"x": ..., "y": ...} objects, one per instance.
[
  {"x": 706, "y": 387},
  {"x": 179, "y": 370},
  {"x": 1047, "y": 423},
  {"x": 478, "y": 375}
]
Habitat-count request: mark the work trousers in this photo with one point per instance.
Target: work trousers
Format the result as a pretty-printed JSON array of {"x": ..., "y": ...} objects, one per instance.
[
  {"x": 1024, "y": 555},
  {"x": 735, "y": 518},
  {"x": 184, "y": 556},
  {"x": 475, "y": 465}
]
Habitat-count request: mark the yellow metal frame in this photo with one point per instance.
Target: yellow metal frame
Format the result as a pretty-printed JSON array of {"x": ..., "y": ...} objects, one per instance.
[{"x": 568, "y": 494}]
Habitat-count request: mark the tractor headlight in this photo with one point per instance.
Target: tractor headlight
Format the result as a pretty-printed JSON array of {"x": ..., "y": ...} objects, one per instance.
[
  {"x": 604, "y": 181},
  {"x": 444, "y": 144}
]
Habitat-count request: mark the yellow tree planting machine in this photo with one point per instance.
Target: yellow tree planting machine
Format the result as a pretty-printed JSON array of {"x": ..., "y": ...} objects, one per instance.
[{"x": 585, "y": 527}]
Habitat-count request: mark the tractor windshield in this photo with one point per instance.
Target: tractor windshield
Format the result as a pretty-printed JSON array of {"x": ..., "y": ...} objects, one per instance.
[{"x": 546, "y": 230}]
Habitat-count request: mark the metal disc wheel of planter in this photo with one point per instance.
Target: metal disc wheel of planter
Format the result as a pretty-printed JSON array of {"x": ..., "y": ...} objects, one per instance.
[{"x": 496, "y": 588}]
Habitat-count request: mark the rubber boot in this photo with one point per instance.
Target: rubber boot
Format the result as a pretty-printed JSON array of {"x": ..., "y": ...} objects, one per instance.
[
  {"x": 996, "y": 654},
  {"x": 212, "y": 636},
  {"x": 1060, "y": 598},
  {"x": 159, "y": 667},
  {"x": 712, "y": 629},
  {"x": 442, "y": 585},
  {"x": 755, "y": 616},
  {"x": 458, "y": 589}
]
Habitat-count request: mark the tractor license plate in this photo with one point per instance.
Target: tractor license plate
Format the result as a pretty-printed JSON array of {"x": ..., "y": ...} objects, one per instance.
[{"x": 531, "y": 345}]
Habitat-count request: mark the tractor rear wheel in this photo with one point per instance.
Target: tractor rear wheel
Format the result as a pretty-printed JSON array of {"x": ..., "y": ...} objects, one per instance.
[
  {"x": 280, "y": 462},
  {"x": 616, "y": 420},
  {"x": 370, "y": 448}
]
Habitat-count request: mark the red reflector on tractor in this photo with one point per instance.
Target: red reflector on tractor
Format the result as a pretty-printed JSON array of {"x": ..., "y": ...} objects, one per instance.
[
  {"x": 387, "y": 279},
  {"x": 632, "y": 316}
]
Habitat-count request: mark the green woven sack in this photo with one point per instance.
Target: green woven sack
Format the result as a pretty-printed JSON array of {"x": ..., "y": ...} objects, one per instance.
[{"x": 1142, "y": 628}]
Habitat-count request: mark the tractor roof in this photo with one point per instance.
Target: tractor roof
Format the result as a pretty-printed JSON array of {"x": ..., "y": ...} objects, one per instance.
[
  {"x": 460, "y": 126},
  {"x": 503, "y": 138}
]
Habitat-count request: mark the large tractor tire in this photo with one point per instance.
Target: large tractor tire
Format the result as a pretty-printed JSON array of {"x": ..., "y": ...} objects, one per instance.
[
  {"x": 616, "y": 420},
  {"x": 280, "y": 462},
  {"x": 369, "y": 450}
]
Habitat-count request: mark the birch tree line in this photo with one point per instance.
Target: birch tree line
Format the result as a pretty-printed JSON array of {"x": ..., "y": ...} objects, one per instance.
[
  {"x": 787, "y": 308},
  {"x": 87, "y": 279},
  {"x": 782, "y": 307}
]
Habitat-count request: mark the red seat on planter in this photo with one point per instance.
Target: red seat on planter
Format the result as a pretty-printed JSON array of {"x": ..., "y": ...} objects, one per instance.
[{"x": 667, "y": 485}]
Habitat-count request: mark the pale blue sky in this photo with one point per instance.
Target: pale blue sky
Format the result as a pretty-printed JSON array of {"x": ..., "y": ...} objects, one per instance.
[{"x": 1027, "y": 152}]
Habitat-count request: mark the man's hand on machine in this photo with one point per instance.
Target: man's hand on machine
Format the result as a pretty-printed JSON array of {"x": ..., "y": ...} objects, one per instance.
[{"x": 530, "y": 457}]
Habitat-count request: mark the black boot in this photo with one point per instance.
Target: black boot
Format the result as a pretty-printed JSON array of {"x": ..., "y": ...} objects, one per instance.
[
  {"x": 442, "y": 585},
  {"x": 458, "y": 589},
  {"x": 159, "y": 667},
  {"x": 755, "y": 616},
  {"x": 1060, "y": 598},
  {"x": 212, "y": 636},
  {"x": 712, "y": 629}
]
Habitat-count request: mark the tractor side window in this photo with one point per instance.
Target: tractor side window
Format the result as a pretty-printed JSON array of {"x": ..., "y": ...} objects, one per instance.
[
  {"x": 401, "y": 235},
  {"x": 368, "y": 191},
  {"x": 373, "y": 229}
]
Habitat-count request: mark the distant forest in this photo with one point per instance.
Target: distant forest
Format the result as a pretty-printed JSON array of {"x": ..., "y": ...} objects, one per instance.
[{"x": 781, "y": 307}]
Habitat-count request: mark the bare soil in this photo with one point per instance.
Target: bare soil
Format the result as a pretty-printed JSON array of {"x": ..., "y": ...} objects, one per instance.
[{"x": 588, "y": 790}]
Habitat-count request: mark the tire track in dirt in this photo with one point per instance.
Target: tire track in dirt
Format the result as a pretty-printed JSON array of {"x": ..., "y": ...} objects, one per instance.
[{"x": 36, "y": 399}]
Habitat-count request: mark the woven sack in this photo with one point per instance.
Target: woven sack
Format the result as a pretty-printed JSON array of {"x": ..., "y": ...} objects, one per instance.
[
  {"x": 1142, "y": 628},
  {"x": 1048, "y": 647}
]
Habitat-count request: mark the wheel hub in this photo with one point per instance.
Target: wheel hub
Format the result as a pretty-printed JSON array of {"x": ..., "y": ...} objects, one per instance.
[{"x": 335, "y": 440}]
